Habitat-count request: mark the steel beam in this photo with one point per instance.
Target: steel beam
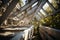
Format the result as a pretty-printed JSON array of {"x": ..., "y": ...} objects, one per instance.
[
  {"x": 31, "y": 11},
  {"x": 8, "y": 11},
  {"x": 27, "y": 5}
]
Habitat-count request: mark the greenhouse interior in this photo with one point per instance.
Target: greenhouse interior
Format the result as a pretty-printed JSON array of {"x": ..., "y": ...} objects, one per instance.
[{"x": 29, "y": 20}]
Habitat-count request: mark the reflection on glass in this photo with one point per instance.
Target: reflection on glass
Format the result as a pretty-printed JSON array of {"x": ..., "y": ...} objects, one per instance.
[
  {"x": 34, "y": 4},
  {"x": 54, "y": 3},
  {"x": 41, "y": 16},
  {"x": 22, "y": 2},
  {"x": 47, "y": 8},
  {"x": 43, "y": 12},
  {"x": 42, "y": 21},
  {"x": 37, "y": 16}
]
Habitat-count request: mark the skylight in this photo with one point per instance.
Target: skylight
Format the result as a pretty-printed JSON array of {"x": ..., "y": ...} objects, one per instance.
[
  {"x": 42, "y": 12},
  {"x": 34, "y": 4}
]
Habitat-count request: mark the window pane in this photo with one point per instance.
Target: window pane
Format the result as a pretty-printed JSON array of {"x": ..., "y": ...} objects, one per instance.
[
  {"x": 37, "y": 16},
  {"x": 41, "y": 16},
  {"x": 47, "y": 8},
  {"x": 43, "y": 12},
  {"x": 54, "y": 3},
  {"x": 34, "y": 4}
]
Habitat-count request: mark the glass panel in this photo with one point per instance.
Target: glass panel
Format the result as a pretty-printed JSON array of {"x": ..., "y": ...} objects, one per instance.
[
  {"x": 37, "y": 16},
  {"x": 41, "y": 16},
  {"x": 47, "y": 8},
  {"x": 54, "y": 3},
  {"x": 43, "y": 12},
  {"x": 34, "y": 4}
]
